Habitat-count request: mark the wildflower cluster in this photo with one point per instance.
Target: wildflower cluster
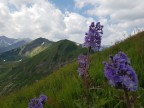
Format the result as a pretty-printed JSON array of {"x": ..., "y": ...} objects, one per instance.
[
  {"x": 92, "y": 42},
  {"x": 119, "y": 72},
  {"x": 93, "y": 36},
  {"x": 37, "y": 103}
]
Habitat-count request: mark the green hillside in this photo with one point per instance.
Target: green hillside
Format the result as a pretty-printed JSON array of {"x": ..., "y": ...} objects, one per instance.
[
  {"x": 12, "y": 55},
  {"x": 29, "y": 50},
  {"x": 64, "y": 87},
  {"x": 40, "y": 65},
  {"x": 5, "y": 67}
]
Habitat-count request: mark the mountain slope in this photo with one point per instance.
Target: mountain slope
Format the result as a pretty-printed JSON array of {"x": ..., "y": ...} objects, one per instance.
[
  {"x": 12, "y": 55},
  {"x": 40, "y": 65},
  {"x": 64, "y": 90},
  {"x": 35, "y": 47},
  {"x": 13, "y": 46},
  {"x": 4, "y": 41},
  {"x": 28, "y": 50},
  {"x": 7, "y": 44}
]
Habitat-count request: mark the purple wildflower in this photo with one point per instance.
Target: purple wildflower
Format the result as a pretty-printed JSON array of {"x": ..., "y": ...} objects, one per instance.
[
  {"x": 43, "y": 98},
  {"x": 119, "y": 72},
  {"x": 93, "y": 37},
  {"x": 82, "y": 59},
  {"x": 81, "y": 71},
  {"x": 35, "y": 103},
  {"x": 83, "y": 62}
]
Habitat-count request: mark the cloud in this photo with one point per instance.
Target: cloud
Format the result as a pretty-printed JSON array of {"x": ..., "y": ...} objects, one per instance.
[
  {"x": 76, "y": 26},
  {"x": 40, "y": 18},
  {"x": 122, "y": 16},
  {"x": 30, "y": 21}
]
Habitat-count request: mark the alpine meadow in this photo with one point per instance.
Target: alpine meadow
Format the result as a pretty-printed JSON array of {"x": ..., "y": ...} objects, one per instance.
[
  {"x": 71, "y": 54},
  {"x": 64, "y": 88}
]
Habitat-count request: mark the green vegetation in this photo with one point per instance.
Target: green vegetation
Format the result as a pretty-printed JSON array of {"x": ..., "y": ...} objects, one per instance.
[
  {"x": 42, "y": 64},
  {"x": 12, "y": 55},
  {"x": 64, "y": 88},
  {"x": 35, "y": 47},
  {"x": 5, "y": 68}
]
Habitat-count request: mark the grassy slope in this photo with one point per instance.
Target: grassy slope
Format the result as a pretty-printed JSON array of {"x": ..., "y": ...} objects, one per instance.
[
  {"x": 12, "y": 55},
  {"x": 5, "y": 67},
  {"x": 37, "y": 67},
  {"x": 37, "y": 50},
  {"x": 35, "y": 47},
  {"x": 64, "y": 90}
]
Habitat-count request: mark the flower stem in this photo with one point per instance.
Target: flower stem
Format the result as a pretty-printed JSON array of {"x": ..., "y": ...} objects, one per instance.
[
  {"x": 87, "y": 77},
  {"x": 127, "y": 98}
]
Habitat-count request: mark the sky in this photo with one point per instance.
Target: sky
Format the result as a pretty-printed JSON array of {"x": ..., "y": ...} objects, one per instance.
[{"x": 70, "y": 19}]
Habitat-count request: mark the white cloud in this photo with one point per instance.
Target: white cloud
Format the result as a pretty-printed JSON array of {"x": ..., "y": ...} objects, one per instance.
[
  {"x": 122, "y": 16},
  {"x": 76, "y": 26},
  {"x": 41, "y": 19}
]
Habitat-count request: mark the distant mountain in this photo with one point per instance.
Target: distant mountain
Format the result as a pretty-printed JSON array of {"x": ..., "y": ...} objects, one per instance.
[
  {"x": 34, "y": 47},
  {"x": 40, "y": 65},
  {"x": 13, "y": 46},
  {"x": 5, "y": 41},
  {"x": 7, "y": 44}
]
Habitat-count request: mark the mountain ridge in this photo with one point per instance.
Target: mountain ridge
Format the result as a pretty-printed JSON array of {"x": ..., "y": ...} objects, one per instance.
[
  {"x": 28, "y": 50},
  {"x": 7, "y": 44}
]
